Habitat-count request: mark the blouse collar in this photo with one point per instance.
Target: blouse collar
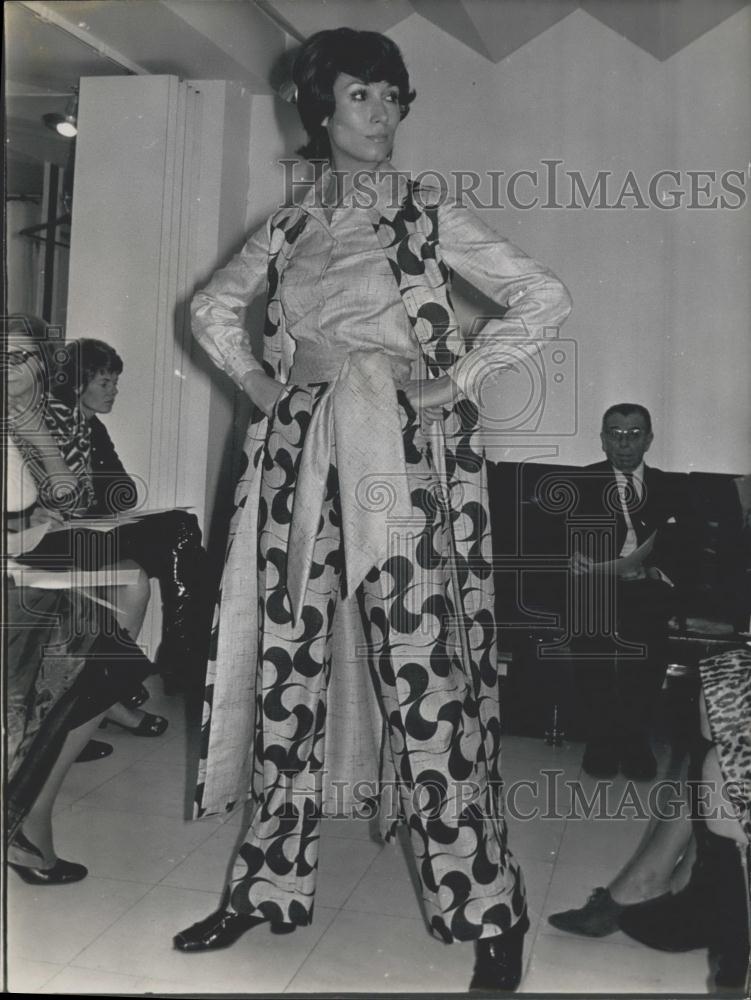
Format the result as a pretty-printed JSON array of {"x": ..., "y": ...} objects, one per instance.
[{"x": 382, "y": 192}]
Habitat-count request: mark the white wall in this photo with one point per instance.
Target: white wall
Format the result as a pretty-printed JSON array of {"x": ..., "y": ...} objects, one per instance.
[
  {"x": 24, "y": 258},
  {"x": 662, "y": 298}
]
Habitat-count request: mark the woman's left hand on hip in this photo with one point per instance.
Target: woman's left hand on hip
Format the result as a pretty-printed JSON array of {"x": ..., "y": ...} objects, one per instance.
[{"x": 428, "y": 397}]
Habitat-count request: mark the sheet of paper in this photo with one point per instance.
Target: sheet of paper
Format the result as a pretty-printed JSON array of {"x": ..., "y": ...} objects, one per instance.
[
  {"x": 632, "y": 563},
  {"x": 108, "y": 523},
  {"x": 48, "y": 579}
]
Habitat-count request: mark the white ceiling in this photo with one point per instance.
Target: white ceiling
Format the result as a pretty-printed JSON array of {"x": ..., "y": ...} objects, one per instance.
[{"x": 50, "y": 44}]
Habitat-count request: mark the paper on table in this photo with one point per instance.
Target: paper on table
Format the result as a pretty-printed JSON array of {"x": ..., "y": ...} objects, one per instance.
[
  {"x": 88, "y": 581},
  {"x": 67, "y": 579},
  {"x": 630, "y": 564},
  {"x": 80, "y": 579},
  {"x": 108, "y": 523}
]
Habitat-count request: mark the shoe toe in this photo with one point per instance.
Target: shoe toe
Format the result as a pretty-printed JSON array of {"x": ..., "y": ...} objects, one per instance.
[
  {"x": 597, "y": 918},
  {"x": 94, "y": 750}
]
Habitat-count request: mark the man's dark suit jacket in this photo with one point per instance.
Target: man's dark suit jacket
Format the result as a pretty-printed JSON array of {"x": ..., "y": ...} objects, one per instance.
[{"x": 662, "y": 500}]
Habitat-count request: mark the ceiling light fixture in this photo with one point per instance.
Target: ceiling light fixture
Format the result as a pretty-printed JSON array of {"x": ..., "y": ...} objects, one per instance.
[{"x": 66, "y": 124}]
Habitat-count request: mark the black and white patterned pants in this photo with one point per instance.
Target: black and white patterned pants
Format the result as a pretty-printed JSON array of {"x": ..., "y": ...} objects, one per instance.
[{"x": 445, "y": 756}]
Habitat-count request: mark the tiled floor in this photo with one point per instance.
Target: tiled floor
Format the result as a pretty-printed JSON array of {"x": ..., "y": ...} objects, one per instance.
[{"x": 152, "y": 873}]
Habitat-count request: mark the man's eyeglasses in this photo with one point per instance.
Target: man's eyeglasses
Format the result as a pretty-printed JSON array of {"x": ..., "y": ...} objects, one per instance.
[{"x": 629, "y": 434}]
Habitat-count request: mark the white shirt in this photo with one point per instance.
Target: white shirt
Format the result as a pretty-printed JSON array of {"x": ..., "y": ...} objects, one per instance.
[{"x": 630, "y": 542}]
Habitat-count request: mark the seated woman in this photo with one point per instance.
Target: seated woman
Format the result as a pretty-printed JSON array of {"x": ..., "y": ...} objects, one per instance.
[
  {"x": 58, "y": 491},
  {"x": 686, "y": 887},
  {"x": 166, "y": 545},
  {"x": 67, "y": 662}
]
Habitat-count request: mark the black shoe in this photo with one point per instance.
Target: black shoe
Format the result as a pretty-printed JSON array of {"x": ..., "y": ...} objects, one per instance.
[
  {"x": 150, "y": 725},
  {"x": 221, "y": 929},
  {"x": 60, "y": 873},
  {"x": 638, "y": 762},
  {"x": 94, "y": 750},
  {"x": 137, "y": 699},
  {"x": 600, "y": 760},
  {"x": 597, "y": 918},
  {"x": 710, "y": 912},
  {"x": 675, "y": 922},
  {"x": 498, "y": 960}
]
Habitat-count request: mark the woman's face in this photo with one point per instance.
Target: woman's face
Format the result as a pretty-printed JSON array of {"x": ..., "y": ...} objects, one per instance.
[
  {"x": 363, "y": 124},
  {"x": 23, "y": 364},
  {"x": 99, "y": 394}
]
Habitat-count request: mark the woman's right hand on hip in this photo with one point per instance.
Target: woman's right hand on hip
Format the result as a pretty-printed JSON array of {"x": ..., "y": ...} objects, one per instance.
[{"x": 263, "y": 390}]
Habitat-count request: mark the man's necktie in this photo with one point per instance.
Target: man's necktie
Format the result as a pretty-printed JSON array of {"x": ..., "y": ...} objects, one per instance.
[
  {"x": 632, "y": 503},
  {"x": 630, "y": 496}
]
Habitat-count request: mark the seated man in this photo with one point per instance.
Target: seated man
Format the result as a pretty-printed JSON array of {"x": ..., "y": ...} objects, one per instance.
[{"x": 622, "y": 597}]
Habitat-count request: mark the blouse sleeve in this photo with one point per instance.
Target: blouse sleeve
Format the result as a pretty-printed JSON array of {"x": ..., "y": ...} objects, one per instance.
[
  {"x": 534, "y": 299},
  {"x": 21, "y": 488},
  {"x": 215, "y": 310},
  {"x": 114, "y": 490}
]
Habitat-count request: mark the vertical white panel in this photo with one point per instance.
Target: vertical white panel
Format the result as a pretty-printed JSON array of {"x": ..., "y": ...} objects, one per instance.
[
  {"x": 117, "y": 243},
  {"x": 151, "y": 194}
]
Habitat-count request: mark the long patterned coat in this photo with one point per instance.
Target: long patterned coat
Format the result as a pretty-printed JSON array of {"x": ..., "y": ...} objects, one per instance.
[{"x": 534, "y": 298}]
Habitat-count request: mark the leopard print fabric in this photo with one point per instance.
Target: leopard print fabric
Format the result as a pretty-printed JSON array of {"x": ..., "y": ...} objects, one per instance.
[{"x": 726, "y": 682}]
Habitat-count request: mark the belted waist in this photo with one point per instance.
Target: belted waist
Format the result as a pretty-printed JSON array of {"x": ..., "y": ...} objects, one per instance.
[
  {"x": 312, "y": 363},
  {"x": 359, "y": 412}
]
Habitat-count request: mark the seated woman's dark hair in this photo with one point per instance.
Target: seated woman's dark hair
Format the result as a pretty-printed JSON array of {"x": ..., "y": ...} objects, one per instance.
[
  {"x": 367, "y": 55},
  {"x": 82, "y": 361}
]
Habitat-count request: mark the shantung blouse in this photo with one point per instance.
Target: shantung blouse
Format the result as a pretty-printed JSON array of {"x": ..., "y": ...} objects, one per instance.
[
  {"x": 337, "y": 289},
  {"x": 343, "y": 309}
]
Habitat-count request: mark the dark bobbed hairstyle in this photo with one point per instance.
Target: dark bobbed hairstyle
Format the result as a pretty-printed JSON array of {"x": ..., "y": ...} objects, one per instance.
[
  {"x": 83, "y": 360},
  {"x": 368, "y": 55},
  {"x": 626, "y": 409}
]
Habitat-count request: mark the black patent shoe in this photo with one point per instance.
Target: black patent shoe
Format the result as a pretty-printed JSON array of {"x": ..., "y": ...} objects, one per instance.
[
  {"x": 137, "y": 699},
  {"x": 60, "y": 873},
  {"x": 221, "y": 929},
  {"x": 150, "y": 725},
  {"x": 94, "y": 750},
  {"x": 498, "y": 960}
]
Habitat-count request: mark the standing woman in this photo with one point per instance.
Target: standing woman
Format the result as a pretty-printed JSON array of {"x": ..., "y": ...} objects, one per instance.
[{"x": 359, "y": 564}]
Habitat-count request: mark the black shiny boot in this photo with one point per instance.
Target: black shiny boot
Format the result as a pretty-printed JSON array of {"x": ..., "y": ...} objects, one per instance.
[
  {"x": 168, "y": 547},
  {"x": 498, "y": 960},
  {"x": 185, "y": 628}
]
